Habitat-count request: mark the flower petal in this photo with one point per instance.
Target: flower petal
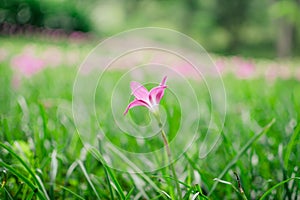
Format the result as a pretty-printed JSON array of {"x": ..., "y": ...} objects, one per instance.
[
  {"x": 163, "y": 82},
  {"x": 139, "y": 91},
  {"x": 134, "y": 103},
  {"x": 156, "y": 94}
]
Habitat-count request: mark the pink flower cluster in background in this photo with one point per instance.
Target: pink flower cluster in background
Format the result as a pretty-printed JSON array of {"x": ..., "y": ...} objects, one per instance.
[
  {"x": 27, "y": 63},
  {"x": 243, "y": 68},
  {"x": 31, "y": 60}
]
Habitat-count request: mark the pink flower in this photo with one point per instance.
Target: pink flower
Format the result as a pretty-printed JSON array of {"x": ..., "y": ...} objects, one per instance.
[
  {"x": 145, "y": 98},
  {"x": 27, "y": 64},
  {"x": 246, "y": 68},
  {"x": 220, "y": 64}
]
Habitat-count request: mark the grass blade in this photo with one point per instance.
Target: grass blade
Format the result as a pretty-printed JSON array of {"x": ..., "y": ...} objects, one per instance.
[
  {"x": 25, "y": 179},
  {"x": 96, "y": 153},
  {"x": 109, "y": 171},
  {"x": 166, "y": 194},
  {"x": 7, "y": 193},
  {"x": 88, "y": 178},
  {"x": 290, "y": 146},
  {"x": 173, "y": 179},
  {"x": 41, "y": 185},
  {"x": 227, "y": 183},
  {"x": 19, "y": 190},
  {"x": 37, "y": 181},
  {"x": 116, "y": 183},
  {"x": 29, "y": 197},
  {"x": 200, "y": 193},
  {"x": 276, "y": 186},
  {"x": 108, "y": 183},
  {"x": 188, "y": 193},
  {"x": 73, "y": 193},
  {"x": 69, "y": 172},
  {"x": 129, "y": 193},
  {"x": 195, "y": 196},
  {"x": 53, "y": 172},
  {"x": 240, "y": 153}
]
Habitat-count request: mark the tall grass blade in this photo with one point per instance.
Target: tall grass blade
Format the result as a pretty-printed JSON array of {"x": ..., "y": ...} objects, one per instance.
[
  {"x": 129, "y": 193},
  {"x": 53, "y": 172},
  {"x": 68, "y": 174},
  {"x": 131, "y": 164},
  {"x": 241, "y": 152},
  {"x": 8, "y": 195},
  {"x": 195, "y": 196},
  {"x": 290, "y": 146},
  {"x": 276, "y": 186},
  {"x": 30, "y": 196},
  {"x": 37, "y": 181},
  {"x": 73, "y": 193},
  {"x": 25, "y": 179},
  {"x": 88, "y": 178}
]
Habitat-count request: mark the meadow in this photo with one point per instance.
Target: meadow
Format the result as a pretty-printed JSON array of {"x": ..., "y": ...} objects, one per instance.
[{"x": 43, "y": 157}]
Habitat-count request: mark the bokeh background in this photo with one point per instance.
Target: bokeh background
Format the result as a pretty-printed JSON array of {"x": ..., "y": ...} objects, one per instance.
[
  {"x": 267, "y": 28},
  {"x": 255, "y": 45}
]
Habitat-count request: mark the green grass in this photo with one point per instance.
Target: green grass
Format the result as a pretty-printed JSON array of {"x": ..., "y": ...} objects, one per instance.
[{"x": 42, "y": 156}]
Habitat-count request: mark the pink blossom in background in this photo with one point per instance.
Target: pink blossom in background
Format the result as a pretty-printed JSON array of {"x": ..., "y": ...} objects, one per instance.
[
  {"x": 78, "y": 36},
  {"x": 271, "y": 72},
  {"x": 244, "y": 68},
  {"x": 27, "y": 63},
  {"x": 220, "y": 64},
  {"x": 184, "y": 69}
]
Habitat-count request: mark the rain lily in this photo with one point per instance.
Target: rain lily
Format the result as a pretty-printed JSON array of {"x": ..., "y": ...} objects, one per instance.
[
  {"x": 145, "y": 98},
  {"x": 151, "y": 100}
]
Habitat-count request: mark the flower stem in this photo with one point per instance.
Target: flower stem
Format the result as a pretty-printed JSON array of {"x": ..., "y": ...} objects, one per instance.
[
  {"x": 170, "y": 160},
  {"x": 166, "y": 143}
]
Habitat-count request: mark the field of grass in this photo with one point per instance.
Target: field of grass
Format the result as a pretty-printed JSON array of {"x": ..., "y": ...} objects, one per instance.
[{"x": 42, "y": 155}]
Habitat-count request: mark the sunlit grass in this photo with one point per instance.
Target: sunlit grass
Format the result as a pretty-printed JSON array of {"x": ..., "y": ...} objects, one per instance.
[{"x": 42, "y": 156}]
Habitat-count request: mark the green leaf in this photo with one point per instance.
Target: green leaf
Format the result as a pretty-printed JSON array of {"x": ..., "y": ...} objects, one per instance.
[
  {"x": 73, "y": 193},
  {"x": 88, "y": 178},
  {"x": 276, "y": 186},
  {"x": 25, "y": 179},
  {"x": 36, "y": 179},
  {"x": 241, "y": 152}
]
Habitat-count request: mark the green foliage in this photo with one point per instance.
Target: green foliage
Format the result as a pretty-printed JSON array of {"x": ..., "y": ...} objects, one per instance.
[
  {"x": 66, "y": 15},
  {"x": 289, "y": 10},
  {"x": 249, "y": 28}
]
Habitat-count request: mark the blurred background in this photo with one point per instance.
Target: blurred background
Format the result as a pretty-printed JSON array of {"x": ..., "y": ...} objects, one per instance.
[
  {"x": 263, "y": 29},
  {"x": 255, "y": 44}
]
